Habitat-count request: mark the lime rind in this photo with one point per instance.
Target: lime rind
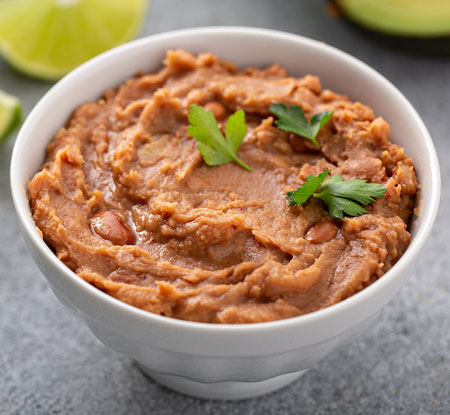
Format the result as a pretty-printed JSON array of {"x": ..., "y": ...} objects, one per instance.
[
  {"x": 10, "y": 114},
  {"x": 49, "y": 38}
]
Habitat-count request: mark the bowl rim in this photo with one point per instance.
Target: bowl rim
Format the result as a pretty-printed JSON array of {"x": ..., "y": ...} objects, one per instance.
[{"x": 342, "y": 307}]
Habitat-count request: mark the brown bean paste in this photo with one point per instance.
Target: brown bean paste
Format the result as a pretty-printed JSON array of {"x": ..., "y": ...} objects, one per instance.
[{"x": 127, "y": 202}]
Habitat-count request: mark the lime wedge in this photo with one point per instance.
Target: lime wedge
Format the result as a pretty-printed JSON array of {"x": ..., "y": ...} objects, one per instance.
[
  {"x": 48, "y": 38},
  {"x": 10, "y": 114}
]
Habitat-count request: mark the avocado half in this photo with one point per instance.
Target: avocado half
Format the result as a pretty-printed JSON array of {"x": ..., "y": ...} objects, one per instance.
[{"x": 422, "y": 18}]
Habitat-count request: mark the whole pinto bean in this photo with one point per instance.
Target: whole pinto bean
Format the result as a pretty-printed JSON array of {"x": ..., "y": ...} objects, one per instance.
[
  {"x": 108, "y": 225},
  {"x": 216, "y": 108},
  {"x": 320, "y": 232}
]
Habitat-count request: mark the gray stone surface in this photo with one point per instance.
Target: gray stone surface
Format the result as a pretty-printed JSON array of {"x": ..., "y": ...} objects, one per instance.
[{"x": 51, "y": 364}]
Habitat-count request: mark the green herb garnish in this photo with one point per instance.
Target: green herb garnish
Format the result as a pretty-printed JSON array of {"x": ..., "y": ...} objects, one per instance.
[
  {"x": 307, "y": 189},
  {"x": 341, "y": 196},
  {"x": 293, "y": 119},
  {"x": 214, "y": 148}
]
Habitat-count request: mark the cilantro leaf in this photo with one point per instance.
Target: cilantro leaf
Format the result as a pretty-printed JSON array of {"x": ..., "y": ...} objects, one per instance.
[
  {"x": 357, "y": 189},
  {"x": 307, "y": 189},
  {"x": 211, "y": 156},
  {"x": 337, "y": 206},
  {"x": 212, "y": 145},
  {"x": 293, "y": 119},
  {"x": 236, "y": 129},
  {"x": 341, "y": 196}
]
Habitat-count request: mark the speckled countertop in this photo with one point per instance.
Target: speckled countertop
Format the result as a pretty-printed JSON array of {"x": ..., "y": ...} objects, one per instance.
[{"x": 51, "y": 364}]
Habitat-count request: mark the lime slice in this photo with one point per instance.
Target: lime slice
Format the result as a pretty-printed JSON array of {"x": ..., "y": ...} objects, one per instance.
[
  {"x": 48, "y": 38},
  {"x": 10, "y": 114}
]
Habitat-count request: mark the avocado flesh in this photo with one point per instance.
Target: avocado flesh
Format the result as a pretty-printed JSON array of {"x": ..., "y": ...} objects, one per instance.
[{"x": 427, "y": 18}]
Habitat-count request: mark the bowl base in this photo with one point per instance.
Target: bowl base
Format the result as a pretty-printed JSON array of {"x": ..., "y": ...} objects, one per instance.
[{"x": 222, "y": 390}]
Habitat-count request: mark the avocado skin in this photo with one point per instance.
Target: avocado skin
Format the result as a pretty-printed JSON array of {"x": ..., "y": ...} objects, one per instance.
[{"x": 408, "y": 18}]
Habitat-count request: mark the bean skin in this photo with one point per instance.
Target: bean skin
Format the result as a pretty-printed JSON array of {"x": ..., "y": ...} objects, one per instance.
[
  {"x": 216, "y": 108},
  {"x": 321, "y": 232},
  {"x": 108, "y": 225},
  {"x": 302, "y": 145}
]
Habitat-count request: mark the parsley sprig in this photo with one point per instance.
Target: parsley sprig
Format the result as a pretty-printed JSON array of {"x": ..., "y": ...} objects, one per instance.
[
  {"x": 341, "y": 196},
  {"x": 214, "y": 148},
  {"x": 293, "y": 119}
]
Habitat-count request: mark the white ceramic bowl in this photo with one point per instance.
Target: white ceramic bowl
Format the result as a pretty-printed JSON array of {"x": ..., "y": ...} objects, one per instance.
[{"x": 209, "y": 360}]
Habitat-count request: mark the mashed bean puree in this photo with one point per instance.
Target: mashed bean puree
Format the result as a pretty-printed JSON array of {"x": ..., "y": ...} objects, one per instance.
[{"x": 126, "y": 201}]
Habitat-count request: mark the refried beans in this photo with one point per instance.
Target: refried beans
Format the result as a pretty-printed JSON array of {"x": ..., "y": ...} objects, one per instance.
[{"x": 126, "y": 201}]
